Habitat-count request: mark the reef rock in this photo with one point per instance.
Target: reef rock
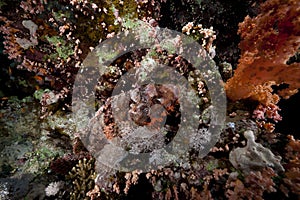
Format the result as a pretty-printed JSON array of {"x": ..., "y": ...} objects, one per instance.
[{"x": 254, "y": 156}]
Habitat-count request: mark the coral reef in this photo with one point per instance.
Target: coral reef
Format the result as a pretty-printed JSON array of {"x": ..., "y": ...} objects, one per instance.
[
  {"x": 222, "y": 15},
  {"x": 63, "y": 165},
  {"x": 52, "y": 38},
  {"x": 28, "y": 147},
  {"x": 290, "y": 186},
  {"x": 253, "y": 187},
  {"x": 44, "y": 155},
  {"x": 20, "y": 134},
  {"x": 268, "y": 42}
]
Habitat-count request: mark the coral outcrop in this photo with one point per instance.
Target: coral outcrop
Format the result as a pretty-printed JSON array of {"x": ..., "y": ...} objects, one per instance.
[{"x": 267, "y": 43}]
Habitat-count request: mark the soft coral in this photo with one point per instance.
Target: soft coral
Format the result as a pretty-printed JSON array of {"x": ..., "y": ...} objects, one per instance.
[{"x": 268, "y": 41}]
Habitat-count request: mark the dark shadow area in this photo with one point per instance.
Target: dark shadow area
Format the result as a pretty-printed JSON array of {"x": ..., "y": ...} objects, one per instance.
[
  {"x": 290, "y": 109},
  {"x": 141, "y": 191}
]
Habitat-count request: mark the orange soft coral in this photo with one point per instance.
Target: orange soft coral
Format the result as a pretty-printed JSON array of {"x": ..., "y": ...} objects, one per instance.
[{"x": 268, "y": 41}]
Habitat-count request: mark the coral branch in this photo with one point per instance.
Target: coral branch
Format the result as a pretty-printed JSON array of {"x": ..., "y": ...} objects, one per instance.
[{"x": 268, "y": 41}]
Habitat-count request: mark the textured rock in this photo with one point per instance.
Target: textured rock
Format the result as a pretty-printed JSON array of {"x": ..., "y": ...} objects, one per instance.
[{"x": 254, "y": 156}]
